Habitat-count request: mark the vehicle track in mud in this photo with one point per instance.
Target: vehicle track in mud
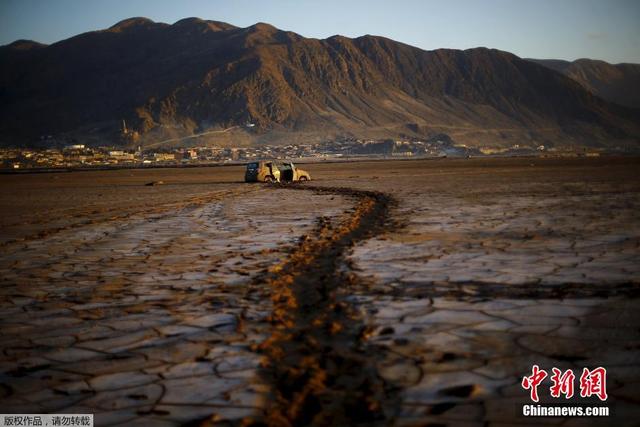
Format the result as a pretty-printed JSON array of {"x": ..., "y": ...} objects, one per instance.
[{"x": 321, "y": 370}]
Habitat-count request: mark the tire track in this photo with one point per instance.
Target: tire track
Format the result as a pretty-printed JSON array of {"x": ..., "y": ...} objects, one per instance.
[{"x": 321, "y": 369}]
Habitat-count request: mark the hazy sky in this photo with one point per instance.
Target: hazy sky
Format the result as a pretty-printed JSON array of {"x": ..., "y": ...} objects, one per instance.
[{"x": 564, "y": 29}]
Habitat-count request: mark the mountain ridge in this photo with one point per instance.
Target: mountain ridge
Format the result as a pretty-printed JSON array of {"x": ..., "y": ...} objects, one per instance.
[
  {"x": 618, "y": 83},
  {"x": 196, "y": 75}
]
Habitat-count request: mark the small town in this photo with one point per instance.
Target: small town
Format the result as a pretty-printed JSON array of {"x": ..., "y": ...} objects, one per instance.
[{"x": 81, "y": 156}]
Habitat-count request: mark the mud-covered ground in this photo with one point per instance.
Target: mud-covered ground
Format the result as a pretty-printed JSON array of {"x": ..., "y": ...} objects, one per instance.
[{"x": 380, "y": 293}]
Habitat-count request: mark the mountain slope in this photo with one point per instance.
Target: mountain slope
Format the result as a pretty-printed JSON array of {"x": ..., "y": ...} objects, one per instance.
[
  {"x": 201, "y": 76},
  {"x": 618, "y": 83}
]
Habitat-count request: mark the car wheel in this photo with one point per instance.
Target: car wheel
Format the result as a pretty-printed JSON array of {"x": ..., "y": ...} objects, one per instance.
[
  {"x": 268, "y": 179},
  {"x": 302, "y": 178}
]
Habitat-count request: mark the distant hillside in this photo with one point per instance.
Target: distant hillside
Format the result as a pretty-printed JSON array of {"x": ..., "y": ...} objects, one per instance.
[
  {"x": 618, "y": 83},
  {"x": 199, "y": 76}
]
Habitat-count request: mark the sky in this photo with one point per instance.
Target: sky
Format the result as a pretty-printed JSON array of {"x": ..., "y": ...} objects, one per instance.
[{"x": 561, "y": 29}]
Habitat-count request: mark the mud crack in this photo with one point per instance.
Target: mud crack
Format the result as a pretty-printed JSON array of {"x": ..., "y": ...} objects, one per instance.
[{"x": 321, "y": 369}]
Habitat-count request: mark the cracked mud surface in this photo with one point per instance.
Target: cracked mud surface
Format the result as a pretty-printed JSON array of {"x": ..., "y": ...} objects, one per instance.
[{"x": 210, "y": 301}]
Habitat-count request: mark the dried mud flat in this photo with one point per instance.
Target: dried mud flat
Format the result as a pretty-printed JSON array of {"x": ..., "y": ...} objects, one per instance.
[{"x": 384, "y": 293}]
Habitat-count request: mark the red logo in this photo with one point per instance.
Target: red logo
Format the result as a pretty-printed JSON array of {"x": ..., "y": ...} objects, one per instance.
[
  {"x": 592, "y": 382},
  {"x": 562, "y": 383},
  {"x": 532, "y": 382}
]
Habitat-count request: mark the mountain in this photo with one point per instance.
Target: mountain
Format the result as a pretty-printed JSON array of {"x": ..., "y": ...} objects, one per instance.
[
  {"x": 619, "y": 83},
  {"x": 261, "y": 84}
]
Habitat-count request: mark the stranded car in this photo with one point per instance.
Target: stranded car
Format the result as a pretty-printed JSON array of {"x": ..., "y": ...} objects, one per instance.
[
  {"x": 267, "y": 171},
  {"x": 262, "y": 171},
  {"x": 289, "y": 172}
]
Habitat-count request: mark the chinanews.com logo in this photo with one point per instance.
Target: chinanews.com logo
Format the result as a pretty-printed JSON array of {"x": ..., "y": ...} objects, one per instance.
[{"x": 592, "y": 384}]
